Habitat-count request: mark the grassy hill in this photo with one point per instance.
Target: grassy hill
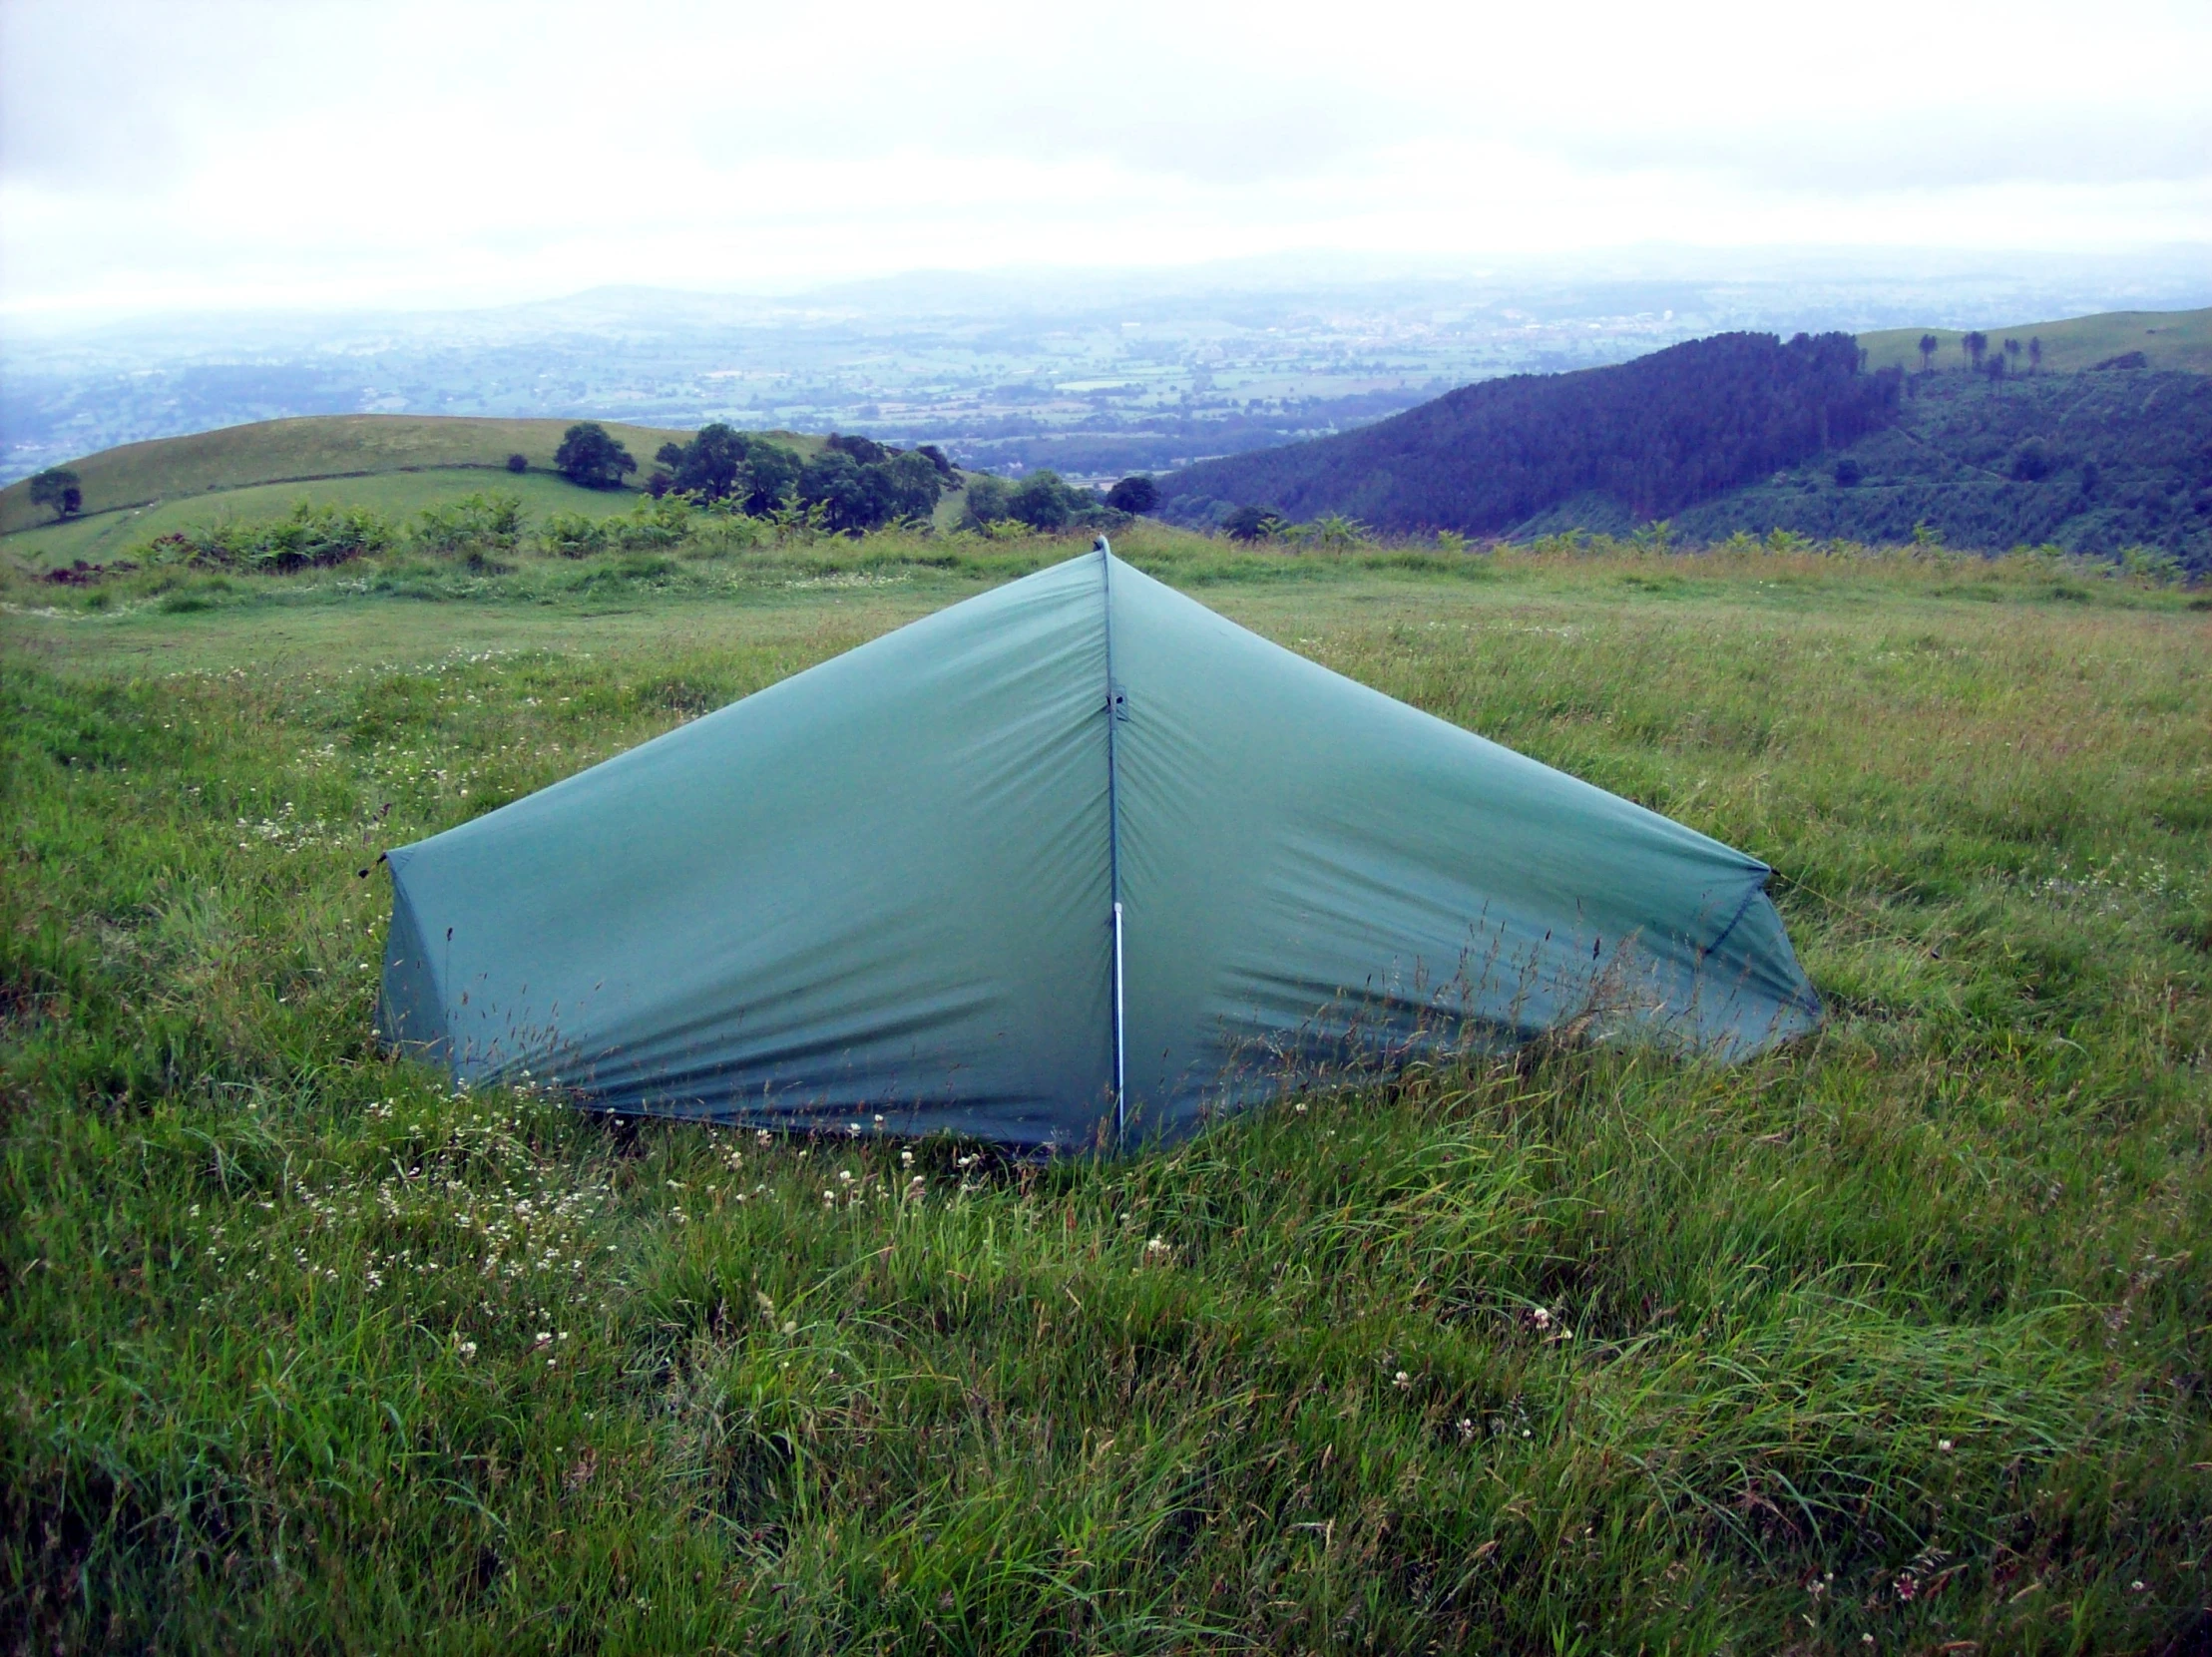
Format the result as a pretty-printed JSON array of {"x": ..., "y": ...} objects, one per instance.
[
  {"x": 1892, "y": 1342},
  {"x": 392, "y": 464},
  {"x": 318, "y": 447},
  {"x": 100, "y": 538},
  {"x": 2172, "y": 340}
]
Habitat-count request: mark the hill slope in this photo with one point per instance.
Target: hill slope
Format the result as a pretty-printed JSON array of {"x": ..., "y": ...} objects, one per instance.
[
  {"x": 103, "y": 537},
  {"x": 2093, "y": 463},
  {"x": 2175, "y": 340},
  {"x": 1655, "y": 435},
  {"x": 312, "y": 446}
]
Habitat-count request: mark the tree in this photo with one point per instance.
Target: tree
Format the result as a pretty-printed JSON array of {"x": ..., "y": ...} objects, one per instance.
[
  {"x": 832, "y": 480},
  {"x": 59, "y": 489},
  {"x": 518, "y": 462},
  {"x": 1848, "y": 473},
  {"x": 1994, "y": 369},
  {"x": 2012, "y": 353},
  {"x": 1136, "y": 494},
  {"x": 985, "y": 501},
  {"x": 2036, "y": 355},
  {"x": 1974, "y": 345},
  {"x": 864, "y": 496},
  {"x": 771, "y": 473},
  {"x": 711, "y": 466},
  {"x": 907, "y": 484},
  {"x": 1928, "y": 345},
  {"x": 1040, "y": 500},
  {"x": 592, "y": 459}
]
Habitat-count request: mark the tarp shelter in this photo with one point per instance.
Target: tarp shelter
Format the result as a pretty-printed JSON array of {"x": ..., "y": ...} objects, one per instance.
[{"x": 1063, "y": 865}]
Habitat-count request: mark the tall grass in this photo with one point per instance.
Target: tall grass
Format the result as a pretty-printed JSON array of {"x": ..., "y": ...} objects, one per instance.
[{"x": 1898, "y": 1334}]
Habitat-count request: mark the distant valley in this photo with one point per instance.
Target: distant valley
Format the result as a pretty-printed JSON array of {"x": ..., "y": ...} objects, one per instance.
[
  {"x": 1094, "y": 376},
  {"x": 2100, "y": 443}
]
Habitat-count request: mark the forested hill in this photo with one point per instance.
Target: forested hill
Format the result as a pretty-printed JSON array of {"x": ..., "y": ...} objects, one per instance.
[{"x": 1655, "y": 435}]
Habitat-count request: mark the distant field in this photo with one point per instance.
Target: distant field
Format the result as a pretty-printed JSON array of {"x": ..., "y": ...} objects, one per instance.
[
  {"x": 1892, "y": 1342},
  {"x": 2179, "y": 339},
  {"x": 104, "y": 537},
  {"x": 317, "y": 446}
]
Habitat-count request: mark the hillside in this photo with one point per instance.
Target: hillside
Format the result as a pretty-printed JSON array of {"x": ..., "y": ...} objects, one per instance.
[
  {"x": 1655, "y": 435},
  {"x": 2172, "y": 340},
  {"x": 103, "y": 537},
  {"x": 2093, "y": 462},
  {"x": 312, "y": 446}
]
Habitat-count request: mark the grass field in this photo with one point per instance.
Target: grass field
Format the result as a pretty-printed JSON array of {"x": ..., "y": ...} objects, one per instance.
[
  {"x": 1889, "y": 1341},
  {"x": 106, "y": 536},
  {"x": 2179, "y": 339},
  {"x": 396, "y": 465},
  {"x": 320, "y": 446}
]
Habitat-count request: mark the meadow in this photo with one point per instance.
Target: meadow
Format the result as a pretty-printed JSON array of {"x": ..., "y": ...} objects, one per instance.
[
  {"x": 1892, "y": 1341},
  {"x": 2179, "y": 339},
  {"x": 317, "y": 446}
]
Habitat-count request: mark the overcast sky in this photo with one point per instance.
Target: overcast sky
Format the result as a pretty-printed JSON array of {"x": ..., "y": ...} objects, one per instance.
[{"x": 198, "y": 153}]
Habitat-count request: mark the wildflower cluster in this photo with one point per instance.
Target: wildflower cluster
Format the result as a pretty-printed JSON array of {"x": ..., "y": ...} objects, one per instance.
[{"x": 288, "y": 832}]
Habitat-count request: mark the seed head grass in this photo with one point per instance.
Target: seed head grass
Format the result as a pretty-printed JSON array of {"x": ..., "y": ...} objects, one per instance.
[{"x": 1894, "y": 1334}]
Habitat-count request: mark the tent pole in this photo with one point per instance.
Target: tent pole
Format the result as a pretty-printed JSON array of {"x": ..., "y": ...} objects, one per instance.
[{"x": 1114, "y": 842}]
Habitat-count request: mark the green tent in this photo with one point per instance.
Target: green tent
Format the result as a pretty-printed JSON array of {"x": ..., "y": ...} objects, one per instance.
[{"x": 1069, "y": 862}]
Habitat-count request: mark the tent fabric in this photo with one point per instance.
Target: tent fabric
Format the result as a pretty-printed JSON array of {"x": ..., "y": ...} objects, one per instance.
[{"x": 885, "y": 888}]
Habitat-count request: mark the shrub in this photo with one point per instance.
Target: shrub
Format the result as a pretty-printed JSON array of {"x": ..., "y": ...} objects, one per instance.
[
  {"x": 518, "y": 462},
  {"x": 572, "y": 535},
  {"x": 1253, "y": 524},
  {"x": 650, "y": 526},
  {"x": 479, "y": 523},
  {"x": 313, "y": 537},
  {"x": 1333, "y": 531},
  {"x": 1848, "y": 473},
  {"x": 2153, "y": 564}
]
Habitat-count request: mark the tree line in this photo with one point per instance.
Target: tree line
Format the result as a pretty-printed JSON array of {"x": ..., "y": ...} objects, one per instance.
[
  {"x": 1979, "y": 359},
  {"x": 853, "y": 485},
  {"x": 1655, "y": 435}
]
